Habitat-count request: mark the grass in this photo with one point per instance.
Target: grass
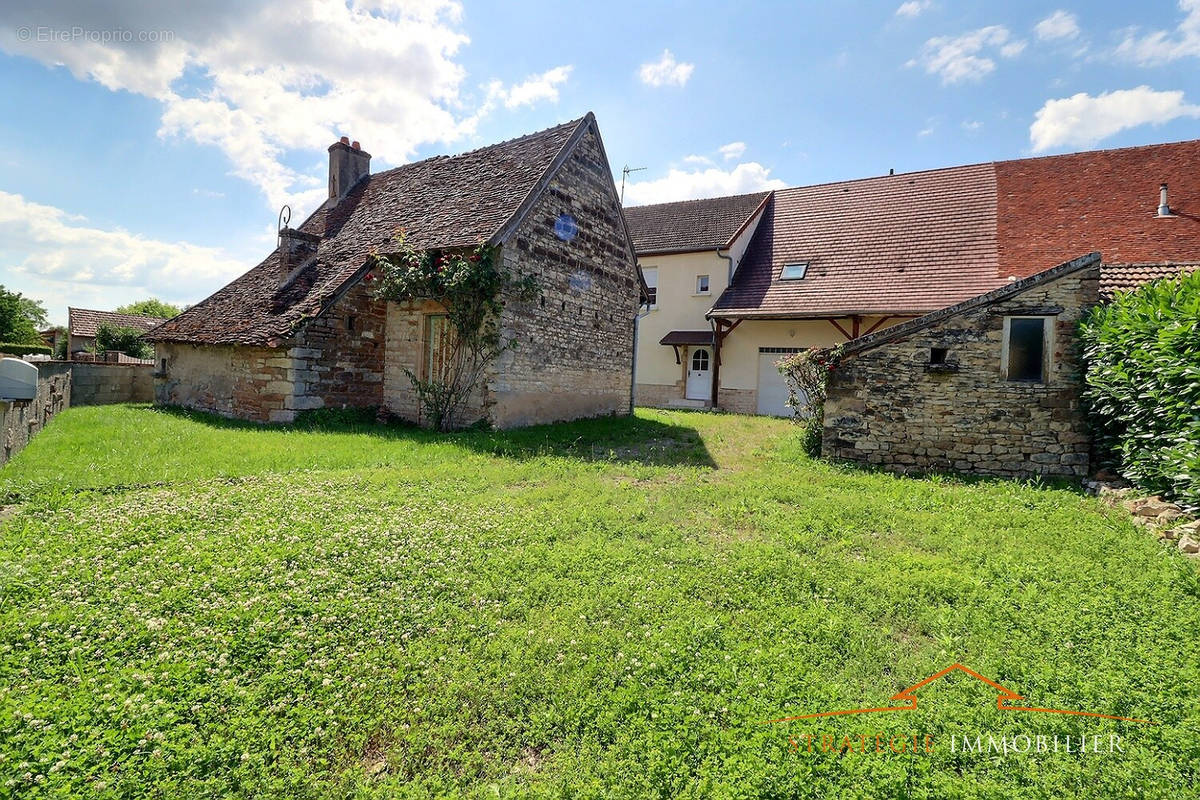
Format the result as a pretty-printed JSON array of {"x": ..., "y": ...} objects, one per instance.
[{"x": 196, "y": 608}]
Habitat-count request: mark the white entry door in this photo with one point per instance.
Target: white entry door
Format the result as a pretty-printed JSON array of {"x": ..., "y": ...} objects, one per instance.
[{"x": 699, "y": 376}]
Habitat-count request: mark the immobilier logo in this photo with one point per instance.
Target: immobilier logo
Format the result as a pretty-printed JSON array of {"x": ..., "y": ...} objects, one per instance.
[{"x": 906, "y": 700}]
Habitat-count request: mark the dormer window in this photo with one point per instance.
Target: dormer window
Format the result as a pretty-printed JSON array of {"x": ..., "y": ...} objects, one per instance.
[{"x": 793, "y": 272}]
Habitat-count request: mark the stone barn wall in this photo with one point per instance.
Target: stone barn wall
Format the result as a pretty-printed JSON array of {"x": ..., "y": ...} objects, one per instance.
[
  {"x": 889, "y": 406},
  {"x": 339, "y": 356},
  {"x": 254, "y": 383},
  {"x": 574, "y": 354}
]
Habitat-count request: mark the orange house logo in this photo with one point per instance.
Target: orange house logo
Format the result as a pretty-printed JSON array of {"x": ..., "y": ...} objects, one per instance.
[{"x": 1005, "y": 699}]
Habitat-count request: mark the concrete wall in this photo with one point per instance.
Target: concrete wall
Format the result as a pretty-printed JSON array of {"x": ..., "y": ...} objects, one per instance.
[
  {"x": 98, "y": 384},
  {"x": 889, "y": 406},
  {"x": 21, "y": 420}
]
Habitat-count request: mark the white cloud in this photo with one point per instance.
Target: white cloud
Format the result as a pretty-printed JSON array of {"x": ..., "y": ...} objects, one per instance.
[
  {"x": 1082, "y": 120},
  {"x": 913, "y": 8},
  {"x": 732, "y": 150},
  {"x": 957, "y": 59},
  {"x": 666, "y": 71},
  {"x": 713, "y": 182},
  {"x": 1159, "y": 47},
  {"x": 50, "y": 253},
  {"x": 277, "y": 79},
  {"x": 695, "y": 159},
  {"x": 1059, "y": 25},
  {"x": 972, "y": 125},
  {"x": 533, "y": 90}
]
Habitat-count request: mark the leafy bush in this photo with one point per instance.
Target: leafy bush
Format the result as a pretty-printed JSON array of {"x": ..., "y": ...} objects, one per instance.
[
  {"x": 13, "y": 349},
  {"x": 1143, "y": 384},
  {"x": 151, "y": 307},
  {"x": 122, "y": 339}
]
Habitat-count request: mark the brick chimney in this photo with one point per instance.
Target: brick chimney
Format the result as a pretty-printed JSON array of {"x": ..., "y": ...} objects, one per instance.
[
  {"x": 348, "y": 164},
  {"x": 295, "y": 247}
]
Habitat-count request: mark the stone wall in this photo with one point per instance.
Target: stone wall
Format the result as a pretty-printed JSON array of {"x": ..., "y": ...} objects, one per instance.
[
  {"x": 738, "y": 401},
  {"x": 339, "y": 356},
  {"x": 21, "y": 420},
  {"x": 574, "y": 356},
  {"x": 254, "y": 383},
  {"x": 888, "y": 406},
  {"x": 98, "y": 384}
]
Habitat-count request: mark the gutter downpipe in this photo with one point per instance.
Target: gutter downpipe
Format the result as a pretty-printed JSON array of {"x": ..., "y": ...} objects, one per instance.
[{"x": 716, "y": 328}]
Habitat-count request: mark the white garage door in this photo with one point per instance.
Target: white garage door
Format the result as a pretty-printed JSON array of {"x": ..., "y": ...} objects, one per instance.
[{"x": 772, "y": 388}]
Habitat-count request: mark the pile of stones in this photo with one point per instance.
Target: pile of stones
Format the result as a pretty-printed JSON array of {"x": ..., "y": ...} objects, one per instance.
[{"x": 1172, "y": 524}]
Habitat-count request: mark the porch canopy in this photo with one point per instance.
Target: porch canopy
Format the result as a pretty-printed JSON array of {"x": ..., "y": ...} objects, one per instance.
[{"x": 676, "y": 339}]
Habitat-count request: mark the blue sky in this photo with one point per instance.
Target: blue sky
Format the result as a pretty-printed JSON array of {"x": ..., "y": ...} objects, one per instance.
[{"x": 146, "y": 150}]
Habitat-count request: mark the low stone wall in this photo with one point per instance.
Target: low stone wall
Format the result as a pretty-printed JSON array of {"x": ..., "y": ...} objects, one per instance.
[
  {"x": 20, "y": 420},
  {"x": 102, "y": 384},
  {"x": 738, "y": 401},
  {"x": 657, "y": 395}
]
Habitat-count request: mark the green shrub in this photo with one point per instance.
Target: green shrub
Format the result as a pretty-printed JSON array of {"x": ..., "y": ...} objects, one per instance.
[
  {"x": 122, "y": 339},
  {"x": 1143, "y": 384},
  {"x": 23, "y": 349}
]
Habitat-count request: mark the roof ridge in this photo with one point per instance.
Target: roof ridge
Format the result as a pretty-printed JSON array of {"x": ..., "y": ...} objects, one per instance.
[
  {"x": 465, "y": 153},
  {"x": 703, "y": 199}
]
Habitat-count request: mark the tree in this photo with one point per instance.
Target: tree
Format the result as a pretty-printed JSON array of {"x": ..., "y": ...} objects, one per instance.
[
  {"x": 151, "y": 307},
  {"x": 35, "y": 311},
  {"x": 122, "y": 339},
  {"x": 15, "y": 324},
  {"x": 470, "y": 286}
]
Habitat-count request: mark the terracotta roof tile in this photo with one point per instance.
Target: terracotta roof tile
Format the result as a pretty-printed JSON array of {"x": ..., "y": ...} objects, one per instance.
[
  {"x": 86, "y": 322},
  {"x": 441, "y": 202},
  {"x": 690, "y": 225},
  {"x": 904, "y": 244},
  {"x": 1123, "y": 277}
]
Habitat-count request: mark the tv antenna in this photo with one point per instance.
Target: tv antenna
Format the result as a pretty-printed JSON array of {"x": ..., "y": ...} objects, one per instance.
[{"x": 625, "y": 174}]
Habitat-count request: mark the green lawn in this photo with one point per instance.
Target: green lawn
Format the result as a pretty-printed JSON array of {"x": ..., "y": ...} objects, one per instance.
[{"x": 196, "y": 608}]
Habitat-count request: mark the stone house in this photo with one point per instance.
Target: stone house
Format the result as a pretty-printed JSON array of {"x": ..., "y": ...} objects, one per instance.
[
  {"x": 815, "y": 266},
  {"x": 302, "y": 330},
  {"x": 83, "y": 324}
]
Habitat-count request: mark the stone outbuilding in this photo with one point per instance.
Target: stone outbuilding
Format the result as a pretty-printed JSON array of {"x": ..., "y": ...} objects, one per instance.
[
  {"x": 83, "y": 324},
  {"x": 303, "y": 331},
  {"x": 991, "y": 385}
]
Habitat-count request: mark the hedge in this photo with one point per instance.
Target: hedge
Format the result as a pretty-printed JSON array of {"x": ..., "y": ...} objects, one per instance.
[
  {"x": 12, "y": 349},
  {"x": 1143, "y": 384}
]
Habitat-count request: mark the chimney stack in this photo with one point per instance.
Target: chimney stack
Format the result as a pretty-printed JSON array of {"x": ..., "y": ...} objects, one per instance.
[
  {"x": 348, "y": 164},
  {"x": 1164, "y": 209}
]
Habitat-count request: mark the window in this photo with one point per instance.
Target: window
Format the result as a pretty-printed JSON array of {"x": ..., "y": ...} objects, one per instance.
[
  {"x": 437, "y": 335},
  {"x": 1026, "y": 349},
  {"x": 937, "y": 355},
  {"x": 651, "y": 277},
  {"x": 700, "y": 361},
  {"x": 793, "y": 272},
  {"x": 701, "y": 284},
  {"x": 350, "y": 319}
]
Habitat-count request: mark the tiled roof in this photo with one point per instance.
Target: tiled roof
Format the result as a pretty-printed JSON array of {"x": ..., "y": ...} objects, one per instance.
[
  {"x": 85, "y": 321},
  {"x": 1123, "y": 277},
  {"x": 441, "y": 202},
  {"x": 915, "y": 242},
  {"x": 903, "y": 244},
  {"x": 690, "y": 225}
]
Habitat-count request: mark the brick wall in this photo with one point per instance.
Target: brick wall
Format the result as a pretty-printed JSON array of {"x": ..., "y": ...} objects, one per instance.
[
  {"x": 575, "y": 342},
  {"x": 888, "y": 407},
  {"x": 100, "y": 383},
  {"x": 1053, "y": 209},
  {"x": 21, "y": 420},
  {"x": 738, "y": 401}
]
